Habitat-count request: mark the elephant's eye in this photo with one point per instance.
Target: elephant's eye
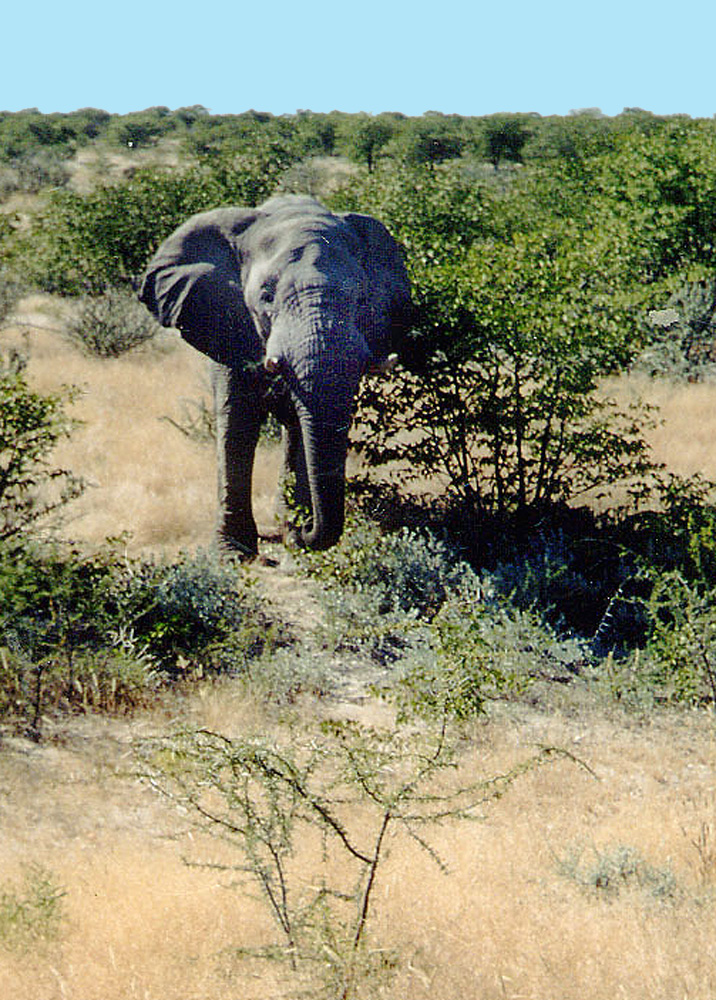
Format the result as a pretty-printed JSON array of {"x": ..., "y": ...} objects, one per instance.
[{"x": 268, "y": 291}]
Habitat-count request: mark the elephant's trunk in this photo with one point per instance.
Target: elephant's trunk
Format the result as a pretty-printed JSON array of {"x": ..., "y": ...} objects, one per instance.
[{"x": 325, "y": 452}]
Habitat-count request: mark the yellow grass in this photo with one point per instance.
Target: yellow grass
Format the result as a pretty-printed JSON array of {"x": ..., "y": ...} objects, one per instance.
[
  {"x": 685, "y": 439},
  {"x": 503, "y": 923}
]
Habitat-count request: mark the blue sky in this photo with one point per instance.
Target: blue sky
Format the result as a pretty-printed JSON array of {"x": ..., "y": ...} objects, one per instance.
[{"x": 453, "y": 56}]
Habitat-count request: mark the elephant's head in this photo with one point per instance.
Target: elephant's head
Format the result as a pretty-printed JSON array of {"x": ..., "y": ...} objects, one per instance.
[{"x": 313, "y": 298}]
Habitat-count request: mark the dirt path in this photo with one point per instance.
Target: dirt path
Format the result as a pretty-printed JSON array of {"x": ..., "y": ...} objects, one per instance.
[{"x": 295, "y": 600}]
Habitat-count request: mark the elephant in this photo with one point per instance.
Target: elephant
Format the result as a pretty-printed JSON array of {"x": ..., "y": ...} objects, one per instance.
[{"x": 293, "y": 304}]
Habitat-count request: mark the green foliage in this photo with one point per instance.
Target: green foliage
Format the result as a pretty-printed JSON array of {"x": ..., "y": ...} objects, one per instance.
[
  {"x": 355, "y": 788},
  {"x": 663, "y": 186},
  {"x": 429, "y": 141},
  {"x": 86, "y": 242},
  {"x": 110, "y": 324},
  {"x": 141, "y": 128},
  {"x": 476, "y": 652},
  {"x": 507, "y": 413},
  {"x": 680, "y": 653},
  {"x": 83, "y": 243},
  {"x": 22, "y": 135},
  {"x": 31, "y": 173},
  {"x": 185, "y": 606},
  {"x": 405, "y": 572},
  {"x": 682, "y": 334},
  {"x": 11, "y": 291},
  {"x": 409, "y": 599},
  {"x": 31, "y": 424},
  {"x": 433, "y": 215},
  {"x": 365, "y": 138},
  {"x": 505, "y": 137},
  {"x": 677, "y": 530},
  {"x": 106, "y": 632},
  {"x": 31, "y": 914}
]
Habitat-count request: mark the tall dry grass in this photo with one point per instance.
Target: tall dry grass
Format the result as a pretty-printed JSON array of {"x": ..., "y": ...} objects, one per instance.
[
  {"x": 502, "y": 923},
  {"x": 685, "y": 436}
]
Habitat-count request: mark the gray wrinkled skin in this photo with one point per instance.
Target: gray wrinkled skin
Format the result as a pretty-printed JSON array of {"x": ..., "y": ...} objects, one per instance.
[{"x": 314, "y": 298}]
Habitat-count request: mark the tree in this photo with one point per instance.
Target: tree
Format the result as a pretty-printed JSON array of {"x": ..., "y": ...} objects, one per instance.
[
  {"x": 316, "y": 134},
  {"x": 366, "y": 137},
  {"x": 430, "y": 140},
  {"x": 507, "y": 411},
  {"x": 505, "y": 136}
]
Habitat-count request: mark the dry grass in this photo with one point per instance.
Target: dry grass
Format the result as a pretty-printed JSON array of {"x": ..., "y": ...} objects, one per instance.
[
  {"x": 684, "y": 439},
  {"x": 503, "y": 923}
]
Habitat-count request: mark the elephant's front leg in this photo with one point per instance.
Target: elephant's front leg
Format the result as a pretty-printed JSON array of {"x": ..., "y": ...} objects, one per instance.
[
  {"x": 293, "y": 501},
  {"x": 238, "y": 422}
]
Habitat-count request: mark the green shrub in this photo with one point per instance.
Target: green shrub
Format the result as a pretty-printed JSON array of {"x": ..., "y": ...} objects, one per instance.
[
  {"x": 31, "y": 424},
  {"x": 380, "y": 590},
  {"x": 110, "y": 324},
  {"x": 507, "y": 412},
  {"x": 458, "y": 670},
  {"x": 679, "y": 658},
  {"x": 288, "y": 810},
  {"x": 11, "y": 291},
  {"x": 105, "y": 632},
  {"x": 182, "y": 607},
  {"x": 83, "y": 243},
  {"x": 476, "y": 652},
  {"x": 31, "y": 914},
  {"x": 404, "y": 572},
  {"x": 621, "y": 869},
  {"x": 682, "y": 335}
]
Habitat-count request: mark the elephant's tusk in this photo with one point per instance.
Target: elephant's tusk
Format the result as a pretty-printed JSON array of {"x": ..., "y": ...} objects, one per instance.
[
  {"x": 272, "y": 365},
  {"x": 388, "y": 365}
]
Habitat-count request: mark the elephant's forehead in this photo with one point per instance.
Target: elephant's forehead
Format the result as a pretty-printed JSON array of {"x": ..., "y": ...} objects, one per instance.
[{"x": 291, "y": 238}]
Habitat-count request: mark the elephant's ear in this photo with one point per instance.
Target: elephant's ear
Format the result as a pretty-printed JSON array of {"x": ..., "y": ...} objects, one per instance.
[
  {"x": 193, "y": 283},
  {"x": 383, "y": 260},
  {"x": 382, "y": 255}
]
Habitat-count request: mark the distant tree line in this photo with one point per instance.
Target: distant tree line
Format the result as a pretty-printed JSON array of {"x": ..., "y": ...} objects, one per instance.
[{"x": 429, "y": 139}]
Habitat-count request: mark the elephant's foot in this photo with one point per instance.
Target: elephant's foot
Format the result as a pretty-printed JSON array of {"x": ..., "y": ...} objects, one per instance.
[{"x": 231, "y": 547}]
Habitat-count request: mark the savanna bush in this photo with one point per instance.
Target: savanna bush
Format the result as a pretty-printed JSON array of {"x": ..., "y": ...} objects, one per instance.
[
  {"x": 81, "y": 243},
  {"x": 678, "y": 663},
  {"x": 110, "y": 324},
  {"x": 507, "y": 412},
  {"x": 410, "y": 600},
  {"x": 31, "y": 913},
  {"x": 11, "y": 291},
  {"x": 31, "y": 424},
  {"x": 681, "y": 341},
  {"x": 405, "y": 571},
  {"x": 472, "y": 652},
  {"x": 305, "y": 824},
  {"x": 617, "y": 870},
  {"x": 106, "y": 632}
]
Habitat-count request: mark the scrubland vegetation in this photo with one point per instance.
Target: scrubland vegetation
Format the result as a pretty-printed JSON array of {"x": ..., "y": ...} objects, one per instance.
[{"x": 469, "y": 751}]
